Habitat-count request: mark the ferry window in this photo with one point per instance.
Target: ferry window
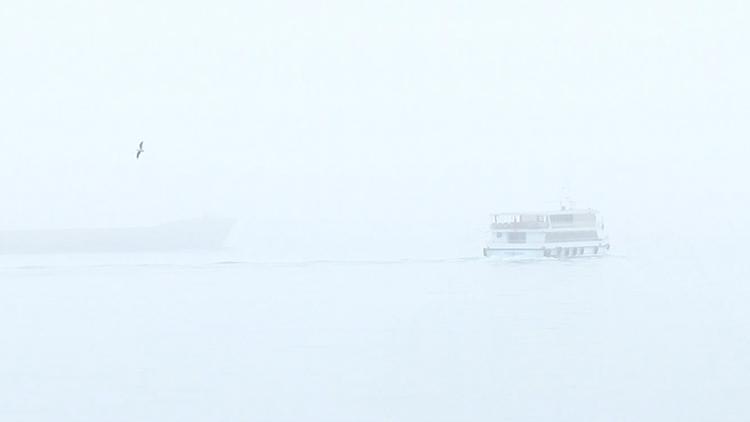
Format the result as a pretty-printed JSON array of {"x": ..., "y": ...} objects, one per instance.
[
  {"x": 586, "y": 219},
  {"x": 517, "y": 237},
  {"x": 561, "y": 219},
  {"x": 571, "y": 236},
  {"x": 499, "y": 235}
]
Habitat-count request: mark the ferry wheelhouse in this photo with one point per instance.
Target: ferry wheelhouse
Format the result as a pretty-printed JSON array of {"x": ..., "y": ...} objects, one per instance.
[{"x": 566, "y": 233}]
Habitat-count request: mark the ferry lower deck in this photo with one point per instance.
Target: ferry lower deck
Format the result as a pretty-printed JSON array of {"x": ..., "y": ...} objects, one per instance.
[{"x": 546, "y": 251}]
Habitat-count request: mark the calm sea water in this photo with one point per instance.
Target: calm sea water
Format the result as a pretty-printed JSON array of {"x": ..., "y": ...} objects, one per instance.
[{"x": 643, "y": 335}]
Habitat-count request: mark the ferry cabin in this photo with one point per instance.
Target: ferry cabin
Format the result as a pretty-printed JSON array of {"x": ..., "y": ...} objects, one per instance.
[{"x": 560, "y": 234}]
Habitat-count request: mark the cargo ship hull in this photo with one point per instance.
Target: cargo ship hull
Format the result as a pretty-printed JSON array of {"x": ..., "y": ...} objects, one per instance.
[{"x": 174, "y": 236}]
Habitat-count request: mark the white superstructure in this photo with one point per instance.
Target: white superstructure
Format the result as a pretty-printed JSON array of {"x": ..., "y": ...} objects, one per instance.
[{"x": 566, "y": 233}]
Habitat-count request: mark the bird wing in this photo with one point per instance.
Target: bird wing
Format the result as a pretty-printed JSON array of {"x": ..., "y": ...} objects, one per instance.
[
  {"x": 138, "y": 155},
  {"x": 141, "y": 145}
]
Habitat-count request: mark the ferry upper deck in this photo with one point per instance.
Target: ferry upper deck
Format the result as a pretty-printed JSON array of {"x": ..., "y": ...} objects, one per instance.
[{"x": 553, "y": 220}]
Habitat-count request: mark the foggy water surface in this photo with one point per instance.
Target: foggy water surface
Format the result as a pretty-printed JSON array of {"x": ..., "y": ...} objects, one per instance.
[{"x": 211, "y": 337}]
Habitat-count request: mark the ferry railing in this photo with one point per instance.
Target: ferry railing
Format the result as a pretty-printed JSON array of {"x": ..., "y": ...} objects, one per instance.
[
  {"x": 520, "y": 225},
  {"x": 572, "y": 224}
]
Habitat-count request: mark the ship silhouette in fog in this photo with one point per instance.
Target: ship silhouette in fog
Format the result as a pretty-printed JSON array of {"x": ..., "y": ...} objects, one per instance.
[{"x": 196, "y": 234}]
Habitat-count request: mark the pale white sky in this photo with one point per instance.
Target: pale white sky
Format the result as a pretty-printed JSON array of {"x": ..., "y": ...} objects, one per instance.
[{"x": 388, "y": 111}]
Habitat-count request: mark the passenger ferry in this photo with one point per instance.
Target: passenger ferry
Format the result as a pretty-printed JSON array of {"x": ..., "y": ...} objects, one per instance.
[{"x": 566, "y": 233}]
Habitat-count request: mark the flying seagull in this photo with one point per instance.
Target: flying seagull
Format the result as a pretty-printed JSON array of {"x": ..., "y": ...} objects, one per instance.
[{"x": 140, "y": 151}]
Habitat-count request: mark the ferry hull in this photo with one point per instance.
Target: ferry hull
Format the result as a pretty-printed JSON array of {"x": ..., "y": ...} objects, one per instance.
[{"x": 560, "y": 252}]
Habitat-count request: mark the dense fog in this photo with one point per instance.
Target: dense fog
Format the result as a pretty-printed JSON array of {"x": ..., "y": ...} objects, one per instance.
[
  {"x": 344, "y": 121},
  {"x": 361, "y": 148}
]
